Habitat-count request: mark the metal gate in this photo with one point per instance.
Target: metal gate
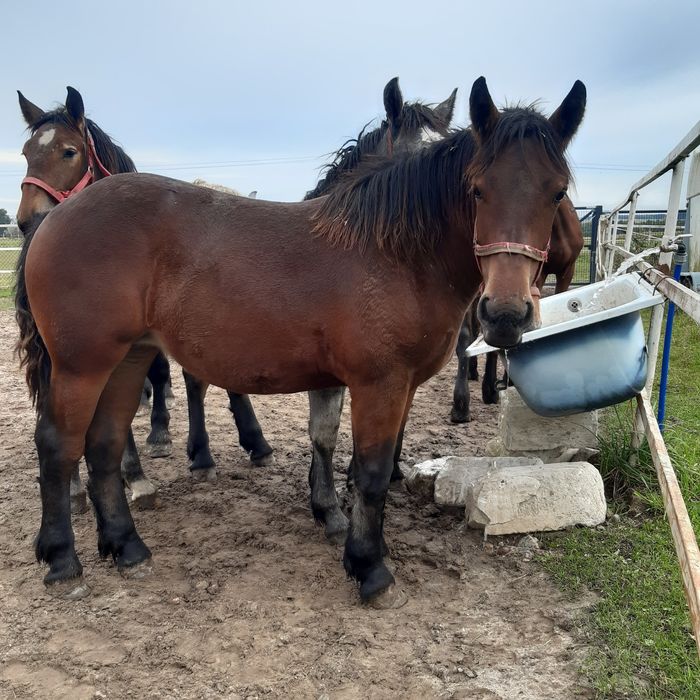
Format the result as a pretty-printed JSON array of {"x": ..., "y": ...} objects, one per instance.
[{"x": 585, "y": 272}]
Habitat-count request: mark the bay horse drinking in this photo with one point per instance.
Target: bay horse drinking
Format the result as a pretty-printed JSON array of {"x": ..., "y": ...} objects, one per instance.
[{"x": 365, "y": 288}]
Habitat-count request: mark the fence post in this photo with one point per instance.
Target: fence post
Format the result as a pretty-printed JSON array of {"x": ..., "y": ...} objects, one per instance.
[
  {"x": 674, "y": 200},
  {"x": 595, "y": 220},
  {"x": 693, "y": 213},
  {"x": 630, "y": 221}
]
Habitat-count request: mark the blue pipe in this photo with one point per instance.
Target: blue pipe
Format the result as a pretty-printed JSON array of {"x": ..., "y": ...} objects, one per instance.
[{"x": 666, "y": 359}]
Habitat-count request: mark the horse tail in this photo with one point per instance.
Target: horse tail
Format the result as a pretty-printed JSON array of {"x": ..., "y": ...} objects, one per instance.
[{"x": 30, "y": 348}]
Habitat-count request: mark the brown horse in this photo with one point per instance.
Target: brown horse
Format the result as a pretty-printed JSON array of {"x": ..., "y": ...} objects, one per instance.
[
  {"x": 365, "y": 288},
  {"x": 565, "y": 246},
  {"x": 65, "y": 153}
]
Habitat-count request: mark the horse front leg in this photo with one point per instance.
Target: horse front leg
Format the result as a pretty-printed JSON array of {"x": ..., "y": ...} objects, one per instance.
[
  {"x": 250, "y": 434},
  {"x": 158, "y": 442},
  {"x": 489, "y": 390},
  {"x": 377, "y": 415},
  {"x": 325, "y": 408},
  {"x": 460, "y": 396}
]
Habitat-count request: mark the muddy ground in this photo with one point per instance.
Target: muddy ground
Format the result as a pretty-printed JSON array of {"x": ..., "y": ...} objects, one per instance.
[{"x": 247, "y": 599}]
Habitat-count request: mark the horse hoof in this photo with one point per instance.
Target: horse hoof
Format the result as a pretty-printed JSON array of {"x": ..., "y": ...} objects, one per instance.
[
  {"x": 390, "y": 599},
  {"x": 69, "y": 589},
  {"x": 143, "y": 494},
  {"x": 207, "y": 474},
  {"x": 139, "y": 571},
  {"x": 265, "y": 461},
  {"x": 336, "y": 529},
  {"x": 159, "y": 450},
  {"x": 78, "y": 503},
  {"x": 459, "y": 416}
]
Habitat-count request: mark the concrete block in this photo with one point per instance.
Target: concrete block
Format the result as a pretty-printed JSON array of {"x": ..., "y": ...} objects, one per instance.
[
  {"x": 523, "y": 432},
  {"x": 536, "y": 498}
]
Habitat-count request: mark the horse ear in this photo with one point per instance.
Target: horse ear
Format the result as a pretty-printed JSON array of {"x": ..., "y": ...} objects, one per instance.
[
  {"x": 253, "y": 194},
  {"x": 445, "y": 110},
  {"x": 75, "y": 106},
  {"x": 30, "y": 111},
  {"x": 393, "y": 100},
  {"x": 482, "y": 111},
  {"x": 567, "y": 118}
]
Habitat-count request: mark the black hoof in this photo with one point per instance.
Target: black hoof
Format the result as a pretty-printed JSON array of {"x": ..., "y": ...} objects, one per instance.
[
  {"x": 127, "y": 550},
  {"x": 459, "y": 415},
  {"x": 63, "y": 566},
  {"x": 205, "y": 474},
  {"x": 159, "y": 445},
  {"x": 397, "y": 474},
  {"x": 377, "y": 580},
  {"x": 202, "y": 460},
  {"x": 262, "y": 457},
  {"x": 489, "y": 395}
]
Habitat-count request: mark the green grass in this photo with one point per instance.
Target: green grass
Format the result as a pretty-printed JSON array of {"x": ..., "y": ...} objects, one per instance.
[{"x": 641, "y": 627}]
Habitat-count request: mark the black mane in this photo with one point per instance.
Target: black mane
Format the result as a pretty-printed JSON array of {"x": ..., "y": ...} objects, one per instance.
[
  {"x": 414, "y": 116},
  {"x": 112, "y": 156},
  {"x": 402, "y": 205}
]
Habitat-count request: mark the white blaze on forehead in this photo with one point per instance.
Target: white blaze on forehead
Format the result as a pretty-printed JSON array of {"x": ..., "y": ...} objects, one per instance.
[
  {"x": 428, "y": 135},
  {"x": 47, "y": 137}
]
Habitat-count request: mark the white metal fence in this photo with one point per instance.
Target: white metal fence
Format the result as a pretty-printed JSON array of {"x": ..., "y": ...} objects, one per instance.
[
  {"x": 615, "y": 242},
  {"x": 10, "y": 245}
]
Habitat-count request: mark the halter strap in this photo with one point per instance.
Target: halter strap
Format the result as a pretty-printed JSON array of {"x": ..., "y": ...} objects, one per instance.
[
  {"x": 89, "y": 176},
  {"x": 510, "y": 247}
]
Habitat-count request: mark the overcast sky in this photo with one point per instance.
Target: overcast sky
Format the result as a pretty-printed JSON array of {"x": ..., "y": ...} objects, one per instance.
[{"x": 253, "y": 94}]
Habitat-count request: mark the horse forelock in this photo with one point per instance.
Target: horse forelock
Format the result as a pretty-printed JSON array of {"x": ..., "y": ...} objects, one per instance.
[{"x": 520, "y": 124}]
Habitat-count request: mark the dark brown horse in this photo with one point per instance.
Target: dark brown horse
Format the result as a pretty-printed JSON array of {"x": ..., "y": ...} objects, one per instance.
[
  {"x": 66, "y": 153},
  {"x": 365, "y": 288},
  {"x": 565, "y": 247}
]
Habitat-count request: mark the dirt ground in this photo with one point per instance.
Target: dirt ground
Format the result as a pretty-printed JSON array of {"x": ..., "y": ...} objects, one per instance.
[{"x": 246, "y": 598}]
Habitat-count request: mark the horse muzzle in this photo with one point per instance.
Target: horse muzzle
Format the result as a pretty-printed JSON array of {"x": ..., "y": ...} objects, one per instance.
[{"x": 504, "y": 322}]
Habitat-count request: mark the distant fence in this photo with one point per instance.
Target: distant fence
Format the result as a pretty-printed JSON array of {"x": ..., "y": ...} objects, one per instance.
[{"x": 10, "y": 245}]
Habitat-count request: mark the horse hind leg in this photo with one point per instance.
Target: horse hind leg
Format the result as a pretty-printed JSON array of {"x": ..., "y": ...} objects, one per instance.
[
  {"x": 250, "y": 434},
  {"x": 143, "y": 491},
  {"x": 158, "y": 441},
  {"x": 78, "y": 494},
  {"x": 105, "y": 441},
  {"x": 325, "y": 408},
  {"x": 202, "y": 465},
  {"x": 460, "y": 396},
  {"x": 60, "y": 441}
]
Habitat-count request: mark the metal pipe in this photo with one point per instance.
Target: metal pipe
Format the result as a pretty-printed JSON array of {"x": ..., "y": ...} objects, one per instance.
[
  {"x": 666, "y": 359},
  {"x": 630, "y": 221}
]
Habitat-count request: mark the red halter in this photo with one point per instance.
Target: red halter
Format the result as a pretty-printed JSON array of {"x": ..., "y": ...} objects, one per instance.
[
  {"x": 93, "y": 160},
  {"x": 481, "y": 251}
]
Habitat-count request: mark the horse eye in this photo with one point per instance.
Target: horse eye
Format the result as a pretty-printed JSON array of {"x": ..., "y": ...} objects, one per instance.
[
  {"x": 69, "y": 152},
  {"x": 476, "y": 192},
  {"x": 560, "y": 196}
]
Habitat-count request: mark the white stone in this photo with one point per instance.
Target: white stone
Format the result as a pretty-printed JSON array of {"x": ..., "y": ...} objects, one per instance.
[
  {"x": 420, "y": 478},
  {"x": 536, "y": 498},
  {"x": 453, "y": 482}
]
